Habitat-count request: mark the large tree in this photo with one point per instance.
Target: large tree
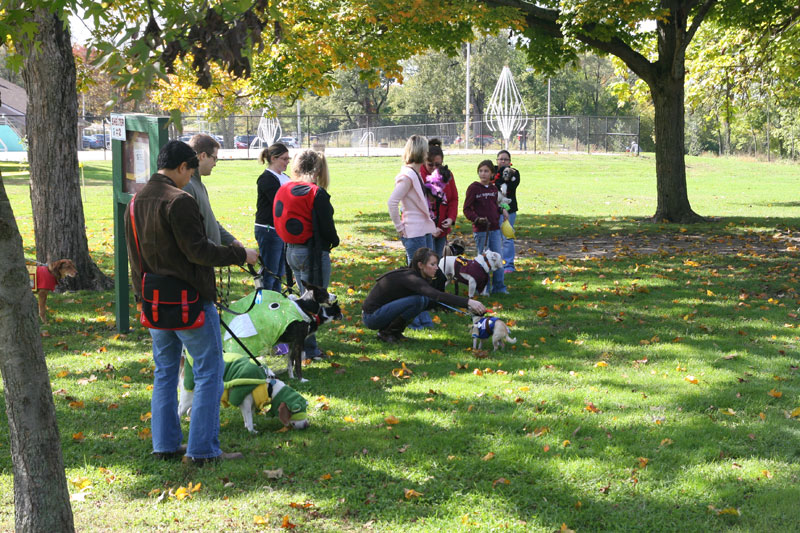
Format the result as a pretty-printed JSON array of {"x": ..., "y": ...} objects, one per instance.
[
  {"x": 51, "y": 123},
  {"x": 651, "y": 37},
  {"x": 41, "y": 498}
]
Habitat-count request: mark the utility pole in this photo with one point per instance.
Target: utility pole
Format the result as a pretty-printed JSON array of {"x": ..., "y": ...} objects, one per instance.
[{"x": 466, "y": 108}]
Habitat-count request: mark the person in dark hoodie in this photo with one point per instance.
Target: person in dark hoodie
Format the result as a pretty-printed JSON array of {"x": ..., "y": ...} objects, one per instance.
[
  {"x": 303, "y": 217},
  {"x": 400, "y": 295}
]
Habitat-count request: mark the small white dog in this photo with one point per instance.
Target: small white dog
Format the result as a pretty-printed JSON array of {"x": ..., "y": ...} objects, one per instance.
[
  {"x": 486, "y": 327},
  {"x": 474, "y": 273}
]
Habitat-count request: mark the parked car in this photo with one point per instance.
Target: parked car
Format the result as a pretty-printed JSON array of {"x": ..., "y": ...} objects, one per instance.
[
  {"x": 290, "y": 142},
  {"x": 101, "y": 140},
  {"x": 86, "y": 142},
  {"x": 243, "y": 141},
  {"x": 219, "y": 138},
  {"x": 483, "y": 140}
]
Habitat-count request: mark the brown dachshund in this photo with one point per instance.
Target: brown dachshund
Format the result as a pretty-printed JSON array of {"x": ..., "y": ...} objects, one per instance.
[{"x": 46, "y": 278}]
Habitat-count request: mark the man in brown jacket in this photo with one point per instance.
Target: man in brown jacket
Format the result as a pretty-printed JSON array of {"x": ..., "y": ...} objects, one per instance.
[{"x": 173, "y": 242}]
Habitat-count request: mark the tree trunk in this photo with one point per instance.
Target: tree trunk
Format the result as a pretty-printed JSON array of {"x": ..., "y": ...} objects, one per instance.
[
  {"x": 41, "y": 498},
  {"x": 672, "y": 197},
  {"x": 52, "y": 119}
]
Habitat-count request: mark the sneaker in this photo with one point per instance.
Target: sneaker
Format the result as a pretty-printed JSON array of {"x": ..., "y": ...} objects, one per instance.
[
  {"x": 169, "y": 456},
  {"x": 386, "y": 337},
  {"x": 320, "y": 356},
  {"x": 501, "y": 291},
  {"x": 202, "y": 461},
  {"x": 509, "y": 270}
]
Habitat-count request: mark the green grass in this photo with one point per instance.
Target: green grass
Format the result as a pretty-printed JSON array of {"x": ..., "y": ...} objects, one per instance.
[{"x": 728, "y": 321}]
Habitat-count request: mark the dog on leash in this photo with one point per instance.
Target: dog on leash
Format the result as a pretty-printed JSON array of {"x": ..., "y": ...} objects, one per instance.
[
  {"x": 45, "y": 278},
  {"x": 277, "y": 318},
  {"x": 490, "y": 327},
  {"x": 249, "y": 387},
  {"x": 474, "y": 273}
]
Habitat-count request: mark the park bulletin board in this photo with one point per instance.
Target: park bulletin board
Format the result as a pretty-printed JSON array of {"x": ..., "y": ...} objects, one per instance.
[{"x": 135, "y": 142}]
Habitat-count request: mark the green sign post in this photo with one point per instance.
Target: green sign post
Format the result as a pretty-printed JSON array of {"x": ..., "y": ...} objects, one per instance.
[{"x": 134, "y": 161}]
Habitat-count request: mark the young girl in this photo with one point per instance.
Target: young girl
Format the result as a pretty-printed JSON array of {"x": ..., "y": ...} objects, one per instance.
[
  {"x": 480, "y": 207},
  {"x": 303, "y": 217}
]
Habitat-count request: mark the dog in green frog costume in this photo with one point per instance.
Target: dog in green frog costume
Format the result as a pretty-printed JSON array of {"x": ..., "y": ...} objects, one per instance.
[{"x": 248, "y": 385}]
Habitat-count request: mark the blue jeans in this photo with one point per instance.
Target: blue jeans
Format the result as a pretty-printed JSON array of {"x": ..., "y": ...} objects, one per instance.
[
  {"x": 412, "y": 244},
  {"x": 508, "y": 244},
  {"x": 495, "y": 245},
  {"x": 270, "y": 248},
  {"x": 439, "y": 244},
  {"x": 297, "y": 257},
  {"x": 407, "y": 307},
  {"x": 205, "y": 346}
]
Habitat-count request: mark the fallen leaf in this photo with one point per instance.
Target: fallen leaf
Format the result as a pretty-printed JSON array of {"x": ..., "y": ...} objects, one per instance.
[
  {"x": 78, "y": 437},
  {"x": 767, "y": 474},
  {"x": 691, "y": 379},
  {"x": 643, "y": 462},
  {"x": 775, "y": 394},
  {"x": 63, "y": 374},
  {"x": 325, "y": 477},
  {"x": 260, "y": 520},
  {"x": 601, "y": 364},
  {"x": 795, "y": 413},
  {"x": 76, "y": 405},
  {"x": 391, "y": 420},
  {"x": 728, "y": 411},
  {"x": 488, "y": 457},
  {"x": 500, "y": 480},
  {"x": 145, "y": 417},
  {"x": 286, "y": 524},
  {"x": 411, "y": 493},
  {"x": 349, "y": 418}
]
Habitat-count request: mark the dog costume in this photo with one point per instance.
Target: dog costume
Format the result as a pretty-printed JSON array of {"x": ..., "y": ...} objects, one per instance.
[
  {"x": 260, "y": 328},
  {"x": 485, "y": 327},
  {"x": 242, "y": 377},
  {"x": 474, "y": 269},
  {"x": 42, "y": 278}
]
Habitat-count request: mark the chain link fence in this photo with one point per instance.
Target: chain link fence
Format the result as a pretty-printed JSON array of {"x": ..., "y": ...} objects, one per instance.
[{"x": 368, "y": 132}]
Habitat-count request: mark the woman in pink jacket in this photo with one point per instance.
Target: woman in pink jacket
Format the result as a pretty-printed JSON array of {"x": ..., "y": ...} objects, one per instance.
[{"x": 414, "y": 226}]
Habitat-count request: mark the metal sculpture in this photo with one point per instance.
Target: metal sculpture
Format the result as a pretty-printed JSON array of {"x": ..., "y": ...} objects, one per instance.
[
  {"x": 506, "y": 112},
  {"x": 269, "y": 131}
]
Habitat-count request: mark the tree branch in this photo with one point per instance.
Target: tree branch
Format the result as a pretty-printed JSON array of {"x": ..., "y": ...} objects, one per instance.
[
  {"x": 546, "y": 20},
  {"x": 698, "y": 19}
]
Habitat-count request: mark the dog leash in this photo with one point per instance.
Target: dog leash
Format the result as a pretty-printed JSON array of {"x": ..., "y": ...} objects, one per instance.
[
  {"x": 253, "y": 357},
  {"x": 453, "y": 308}
]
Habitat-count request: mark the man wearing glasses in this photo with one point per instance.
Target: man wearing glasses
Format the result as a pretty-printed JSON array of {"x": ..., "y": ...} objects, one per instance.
[{"x": 207, "y": 148}]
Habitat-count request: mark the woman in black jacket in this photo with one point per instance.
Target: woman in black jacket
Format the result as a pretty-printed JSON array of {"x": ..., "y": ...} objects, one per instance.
[{"x": 400, "y": 295}]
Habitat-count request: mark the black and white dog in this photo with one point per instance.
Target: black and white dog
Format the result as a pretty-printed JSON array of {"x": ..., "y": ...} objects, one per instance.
[{"x": 276, "y": 318}]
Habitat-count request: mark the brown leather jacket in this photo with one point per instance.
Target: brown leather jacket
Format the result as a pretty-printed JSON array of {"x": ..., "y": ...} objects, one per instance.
[{"x": 173, "y": 240}]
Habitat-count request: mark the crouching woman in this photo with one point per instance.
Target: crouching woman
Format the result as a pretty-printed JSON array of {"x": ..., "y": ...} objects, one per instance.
[{"x": 400, "y": 295}]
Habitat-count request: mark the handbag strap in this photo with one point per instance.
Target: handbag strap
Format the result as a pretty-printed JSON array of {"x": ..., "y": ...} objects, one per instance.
[{"x": 136, "y": 235}]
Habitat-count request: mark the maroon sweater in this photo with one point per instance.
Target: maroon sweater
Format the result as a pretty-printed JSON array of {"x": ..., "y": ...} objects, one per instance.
[{"x": 481, "y": 201}]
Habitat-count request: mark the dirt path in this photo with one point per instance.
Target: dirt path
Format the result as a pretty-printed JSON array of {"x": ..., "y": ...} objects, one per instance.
[{"x": 642, "y": 244}]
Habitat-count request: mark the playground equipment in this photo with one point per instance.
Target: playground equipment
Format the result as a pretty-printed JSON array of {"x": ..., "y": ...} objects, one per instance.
[
  {"x": 10, "y": 140},
  {"x": 506, "y": 112},
  {"x": 269, "y": 131}
]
